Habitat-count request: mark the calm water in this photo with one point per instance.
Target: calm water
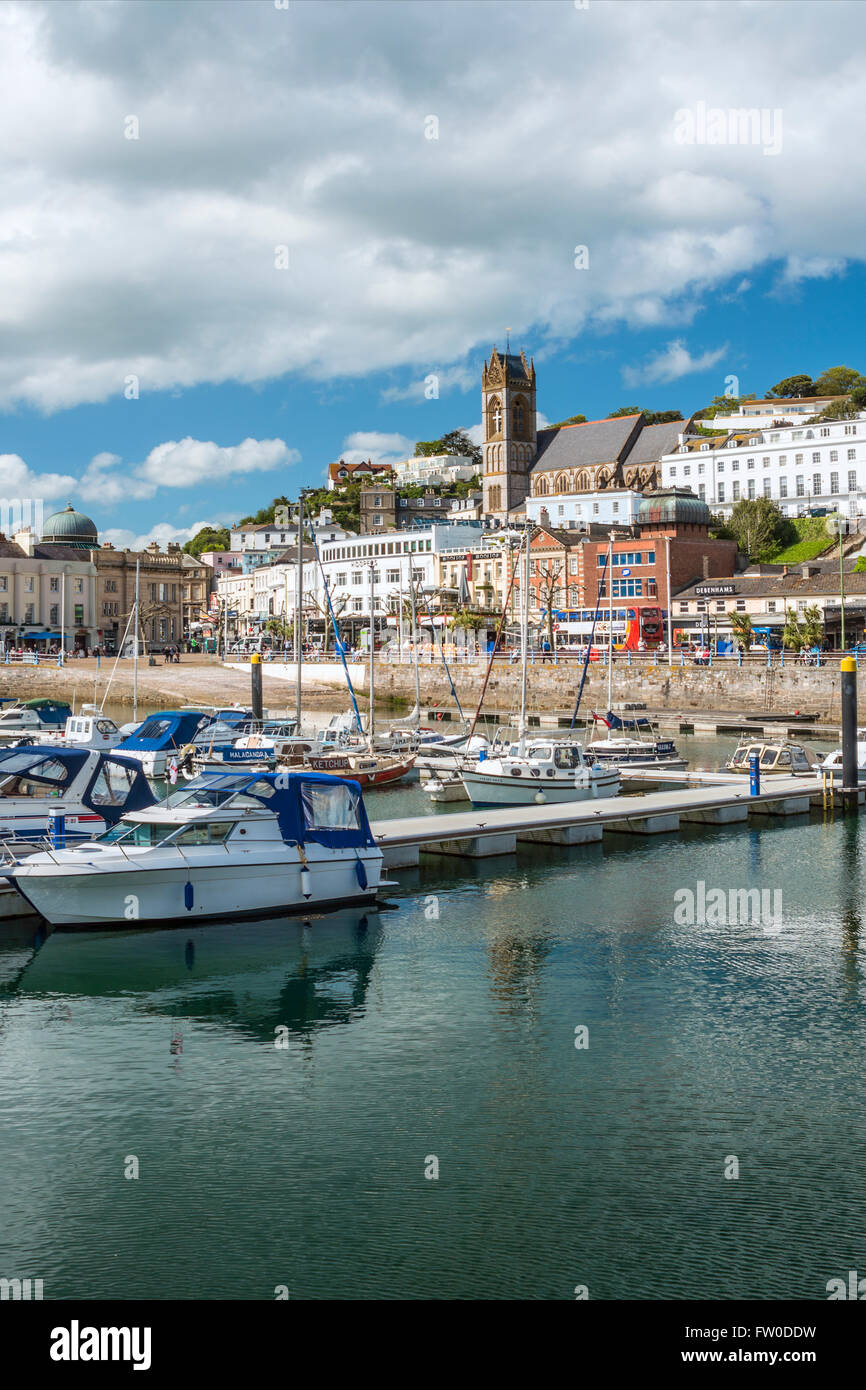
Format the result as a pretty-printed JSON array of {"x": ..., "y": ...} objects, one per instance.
[{"x": 412, "y": 1035}]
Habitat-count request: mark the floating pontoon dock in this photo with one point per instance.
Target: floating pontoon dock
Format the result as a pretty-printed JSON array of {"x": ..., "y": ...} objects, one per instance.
[{"x": 483, "y": 832}]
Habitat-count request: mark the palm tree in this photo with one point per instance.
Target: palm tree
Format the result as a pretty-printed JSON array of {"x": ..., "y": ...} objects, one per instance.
[
  {"x": 741, "y": 630},
  {"x": 793, "y": 634}
]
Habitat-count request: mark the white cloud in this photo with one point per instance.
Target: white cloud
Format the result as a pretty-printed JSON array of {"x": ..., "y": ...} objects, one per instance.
[
  {"x": 180, "y": 463},
  {"x": 163, "y": 532},
  {"x": 19, "y": 481},
  {"x": 674, "y": 361},
  {"x": 378, "y": 448},
  {"x": 262, "y": 128}
]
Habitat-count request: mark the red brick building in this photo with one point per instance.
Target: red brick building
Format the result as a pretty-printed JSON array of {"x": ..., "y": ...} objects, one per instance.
[{"x": 566, "y": 566}]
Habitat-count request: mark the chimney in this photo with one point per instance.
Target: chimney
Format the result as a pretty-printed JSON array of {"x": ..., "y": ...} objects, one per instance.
[{"x": 544, "y": 517}]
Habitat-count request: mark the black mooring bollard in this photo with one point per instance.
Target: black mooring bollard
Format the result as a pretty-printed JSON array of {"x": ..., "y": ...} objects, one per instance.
[
  {"x": 848, "y": 670},
  {"x": 256, "y": 683}
]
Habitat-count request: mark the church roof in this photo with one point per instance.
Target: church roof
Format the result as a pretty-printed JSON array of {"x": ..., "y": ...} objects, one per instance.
[
  {"x": 584, "y": 446},
  {"x": 656, "y": 440}
]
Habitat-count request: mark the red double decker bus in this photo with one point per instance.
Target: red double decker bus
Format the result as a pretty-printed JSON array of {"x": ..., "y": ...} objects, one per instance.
[
  {"x": 644, "y": 624},
  {"x": 632, "y": 624}
]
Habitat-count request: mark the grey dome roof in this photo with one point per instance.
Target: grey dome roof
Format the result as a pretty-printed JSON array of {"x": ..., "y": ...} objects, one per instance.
[
  {"x": 672, "y": 504},
  {"x": 70, "y": 528}
]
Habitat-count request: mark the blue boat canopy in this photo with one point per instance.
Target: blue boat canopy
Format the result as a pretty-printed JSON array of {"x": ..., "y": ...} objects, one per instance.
[
  {"x": 309, "y": 806},
  {"x": 114, "y": 785},
  {"x": 163, "y": 731}
]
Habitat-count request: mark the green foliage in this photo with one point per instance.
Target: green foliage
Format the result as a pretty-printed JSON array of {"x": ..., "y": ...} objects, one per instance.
[
  {"x": 455, "y": 442},
  {"x": 469, "y": 622},
  {"x": 572, "y": 420},
  {"x": 793, "y": 386},
  {"x": 208, "y": 538},
  {"x": 860, "y": 566},
  {"x": 280, "y": 628},
  {"x": 838, "y": 381},
  {"x": 813, "y": 626},
  {"x": 793, "y": 635},
  {"x": 759, "y": 527},
  {"x": 808, "y": 538},
  {"x": 741, "y": 630},
  {"x": 724, "y": 405},
  {"x": 651, "y": 417},
  {"x": 844, "y": 409}
]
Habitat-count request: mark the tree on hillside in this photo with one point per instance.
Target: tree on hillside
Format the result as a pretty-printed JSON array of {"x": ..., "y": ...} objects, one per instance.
[
  {"x": 838, "y": 381},
  {"x": 572, "y": 420},
  {"x": 455, "y": 442},
  {"x": 758, "y": 527},
  {"x": 208, "y": 538},
  {"x": 724, "y": 405},
  {"x": 801, "y": 385},
  {"x": 844, "y": 409},
  {"x": 652, "y": 417}
]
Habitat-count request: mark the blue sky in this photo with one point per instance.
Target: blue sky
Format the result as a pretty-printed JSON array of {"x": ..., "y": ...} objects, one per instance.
[{"x": 280, "y": 222}]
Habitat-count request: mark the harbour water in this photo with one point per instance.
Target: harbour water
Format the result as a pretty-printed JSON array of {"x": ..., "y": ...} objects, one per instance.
[{"x": 404, "y": 1103}]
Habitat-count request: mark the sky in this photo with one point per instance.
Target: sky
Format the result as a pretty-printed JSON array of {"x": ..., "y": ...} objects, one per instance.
[{"x": 239, "y": 241}]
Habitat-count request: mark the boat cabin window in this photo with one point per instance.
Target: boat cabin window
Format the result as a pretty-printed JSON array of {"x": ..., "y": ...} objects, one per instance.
[
  {"x": 20, "y": 774},
  {"x": 112, "y": 784},
  {"x": 142, "y": 836},
  {"x": 329, "y": 807},
  {"x": 205, "y": 834},
  {"x": 541, "y": 751},
  {"x": 567, "y": 757},
  {"x": 770, "y": 757}
]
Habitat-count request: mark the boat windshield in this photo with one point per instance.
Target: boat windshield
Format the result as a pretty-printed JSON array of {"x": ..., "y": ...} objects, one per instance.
[
  {"x": 218, "y": 791},
  {"x": 31, "y": 774}
]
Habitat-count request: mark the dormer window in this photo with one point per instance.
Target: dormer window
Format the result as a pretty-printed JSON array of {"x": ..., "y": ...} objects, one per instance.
[{"x": 705, "y": 447}]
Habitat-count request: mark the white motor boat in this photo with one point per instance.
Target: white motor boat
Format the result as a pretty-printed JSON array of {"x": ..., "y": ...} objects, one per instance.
[
  {"x": 439, "y": 754},
  {"x": 231, "y": 845},
  {"x": 87, "y": 731},
  {"x": 833, "y": 761},
  {"x": 162, "y": 738},
  {"x": 69, "y": 793},
  {"x": 538, "y": 772},
  {"x": 30, "y": 720}
]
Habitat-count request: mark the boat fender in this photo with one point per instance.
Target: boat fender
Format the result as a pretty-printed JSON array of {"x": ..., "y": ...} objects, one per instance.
[
  {"x": 540, "y": 798},
  {"x": 361, "y": 873},
  {"x": 306, "y": 876},
  {"x": 188, "y": 895}
]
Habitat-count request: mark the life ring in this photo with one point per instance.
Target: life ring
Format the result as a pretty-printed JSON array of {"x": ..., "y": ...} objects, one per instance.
[{"x": 186, "y": 754}]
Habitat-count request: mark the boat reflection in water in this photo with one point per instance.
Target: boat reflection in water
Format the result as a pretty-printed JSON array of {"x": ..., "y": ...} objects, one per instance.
[{"x": 301, "y": 974}]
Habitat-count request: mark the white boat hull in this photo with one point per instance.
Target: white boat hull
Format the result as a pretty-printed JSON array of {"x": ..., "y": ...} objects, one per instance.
[
  {"x": 486, "y": 789},
  {"x": 71, "y": 894}
]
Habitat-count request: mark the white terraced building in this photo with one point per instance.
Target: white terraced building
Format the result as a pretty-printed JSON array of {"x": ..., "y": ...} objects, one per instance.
[{"x": 800, "y": 467}]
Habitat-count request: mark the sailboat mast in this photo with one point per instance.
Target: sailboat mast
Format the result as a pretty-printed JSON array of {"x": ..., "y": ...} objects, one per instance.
[
  {"x": 413, "y": 645},
  {"x": 524, "y": 645},
  {"x": 370, "y": 722},
  {"x": 299, "y": 599},
  {"x": 610, "y": 622},
  {"x": 135, "y": 639}
]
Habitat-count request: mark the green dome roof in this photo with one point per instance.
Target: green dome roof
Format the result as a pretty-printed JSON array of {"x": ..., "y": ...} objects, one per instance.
[
  {"x": 70, "y": 527},
  {"x": 671, "y": 504}
]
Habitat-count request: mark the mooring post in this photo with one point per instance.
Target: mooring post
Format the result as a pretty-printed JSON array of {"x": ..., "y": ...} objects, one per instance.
[
  {"x": 848, "y": 670},
  {"x": 755, "y": 775},
  {"x": 256, "y": 684}
]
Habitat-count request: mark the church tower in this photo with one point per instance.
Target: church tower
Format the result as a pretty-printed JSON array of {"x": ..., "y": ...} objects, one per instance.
[{"x": 510, "y": 437}]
